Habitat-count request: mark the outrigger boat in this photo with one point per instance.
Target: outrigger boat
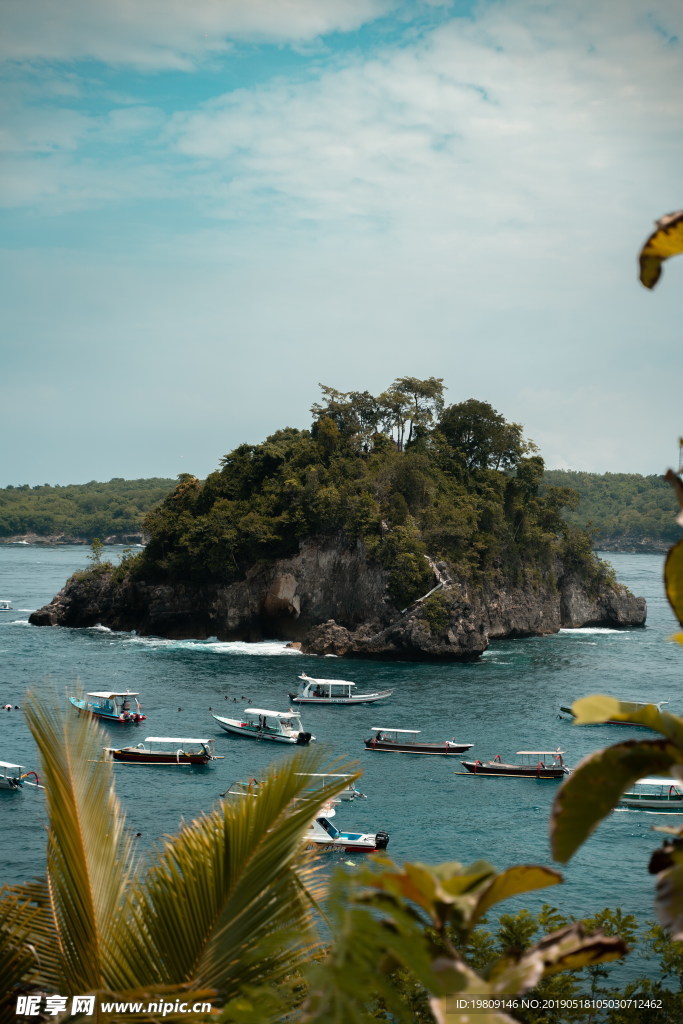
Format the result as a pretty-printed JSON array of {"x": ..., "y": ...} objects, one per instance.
[
  {"x": 166, "y": 750},
  {"x": 405, "y": 741},
  {"x": 276, "y": 726},
  {"x": 655, "y": 794},
  {"x": 629, "y": 705},
  {"x": 111, "y": 706},
  {"x": 350, "y": 793},
  {"x": 333, "y": 691},
  {"x": 535, "y": 764},
  {"x": 13, "y": 777}
]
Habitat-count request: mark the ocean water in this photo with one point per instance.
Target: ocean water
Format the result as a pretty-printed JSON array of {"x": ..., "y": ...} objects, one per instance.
[{"x": 507, "y": 701}]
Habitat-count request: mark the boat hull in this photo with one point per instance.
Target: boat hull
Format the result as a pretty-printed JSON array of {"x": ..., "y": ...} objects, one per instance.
[
  {"x": 251, "y": 733},
  {"x": 652, "y": 803},
  {"x": 515, "y": 771},
  {"x": 440, "y": 749},
  {"x": 134, "y": 756},
  {"x": 368, "y": 698}
]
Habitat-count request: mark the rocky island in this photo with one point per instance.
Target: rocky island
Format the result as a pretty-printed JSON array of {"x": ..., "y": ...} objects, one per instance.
[{"x": 394, "y": 527}]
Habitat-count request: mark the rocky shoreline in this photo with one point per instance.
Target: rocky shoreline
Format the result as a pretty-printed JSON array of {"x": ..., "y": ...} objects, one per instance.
[
  {"x": 333, "y": 600},
  {"x": 57, "y": 539}
]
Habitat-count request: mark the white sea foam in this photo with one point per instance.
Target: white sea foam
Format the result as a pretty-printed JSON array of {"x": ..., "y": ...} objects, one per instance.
[
  {"x": 266, "y": 648},
  {"x": 582, "y": 630},
  {"x": 99, "y": 628}
]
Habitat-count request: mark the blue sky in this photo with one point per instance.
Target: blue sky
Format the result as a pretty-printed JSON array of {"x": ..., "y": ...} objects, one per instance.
[{"x": 208, "y": 208}]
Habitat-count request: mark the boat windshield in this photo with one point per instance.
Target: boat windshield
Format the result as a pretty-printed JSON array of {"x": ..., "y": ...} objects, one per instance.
[{"x": 329, "y": 827}]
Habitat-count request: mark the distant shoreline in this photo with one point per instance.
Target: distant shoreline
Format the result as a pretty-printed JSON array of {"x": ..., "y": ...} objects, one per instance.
[{"x": 62, "y": 539}]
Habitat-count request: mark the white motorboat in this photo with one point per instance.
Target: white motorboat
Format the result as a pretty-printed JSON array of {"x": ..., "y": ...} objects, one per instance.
[
  {"x": 654, "y": 794},
  {"x": 333, "y": 691},
  {"x": 275, "y": 726},
  {"x": 5, "y": 606},
  {"x": 325, "y": 836},
  {"x": 111, "y": 706}
]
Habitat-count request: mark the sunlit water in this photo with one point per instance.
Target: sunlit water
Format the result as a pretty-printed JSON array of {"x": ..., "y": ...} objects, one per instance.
[{"x": 507, "y": 701}]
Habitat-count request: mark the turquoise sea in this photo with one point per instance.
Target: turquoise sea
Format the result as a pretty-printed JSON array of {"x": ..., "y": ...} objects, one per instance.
[{"x": 507, "y": 701}]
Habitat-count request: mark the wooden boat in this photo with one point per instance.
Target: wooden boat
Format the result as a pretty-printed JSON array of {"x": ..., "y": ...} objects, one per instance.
[
  {"x": 629, "y": 705},
  {"x": 274, "y": 726},
  {"x": 654, "y": 794},
  {"x": 13, "y": 777},
  {"x": 333, "y": 691},
  {"x": 166, "y": 750},
  {"x": 405, "y": 741},
  {"x": 534, "y": 764},
  {"x": 112, "y": 706}
]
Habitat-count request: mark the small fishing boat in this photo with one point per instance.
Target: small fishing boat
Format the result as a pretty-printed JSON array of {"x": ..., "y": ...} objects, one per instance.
[
  {"x": 629, "y": 705},
  {"x": 5, "y": 606},
  {"x": 13, "y": 777},
  {"x": 654, "y": 794},
  {"x": 111, "y": 706},
  {"x": 534, "y": 764},
  {"x": 323, "y": 781},
  {"x": 325, "y": 836},
  {"x": 166, "y": 750},
  {"x": 333, "y": 691},
  {"x": 405, "y": 741},
  {"x": 275, "y": 726}
]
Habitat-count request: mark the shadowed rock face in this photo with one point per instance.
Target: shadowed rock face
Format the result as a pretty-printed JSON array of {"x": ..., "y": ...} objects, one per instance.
[{"x": 334, "y": 601}]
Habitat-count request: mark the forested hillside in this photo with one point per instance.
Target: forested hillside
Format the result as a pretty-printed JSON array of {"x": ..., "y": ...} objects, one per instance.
[
  {"x": 82, "y": 511},
  {"x": 622, "y": 511},
  {"x": 400, "y": 472}
]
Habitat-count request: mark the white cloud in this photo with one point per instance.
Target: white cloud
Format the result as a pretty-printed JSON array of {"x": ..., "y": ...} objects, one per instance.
[{"x": 175, "y": 34}]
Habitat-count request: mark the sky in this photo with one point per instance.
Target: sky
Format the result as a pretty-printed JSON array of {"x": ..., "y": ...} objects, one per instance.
[{"x": 210, "y": 208}]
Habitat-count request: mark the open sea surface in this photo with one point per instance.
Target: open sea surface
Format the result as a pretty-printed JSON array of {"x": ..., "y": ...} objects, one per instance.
[{"x": 507, "y": 701}]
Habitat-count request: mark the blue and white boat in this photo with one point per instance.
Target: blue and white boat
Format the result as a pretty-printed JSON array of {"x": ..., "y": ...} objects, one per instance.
[
  {"x": 13, "y": 777},
  {"x": 111, "y": 706},
  {"x": 5, "y": 606}
]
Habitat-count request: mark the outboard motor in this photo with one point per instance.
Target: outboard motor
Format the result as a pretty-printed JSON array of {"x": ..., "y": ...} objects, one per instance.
[
  {"x": 382, "y": 840},
  {"x": 302, "y": 738}
]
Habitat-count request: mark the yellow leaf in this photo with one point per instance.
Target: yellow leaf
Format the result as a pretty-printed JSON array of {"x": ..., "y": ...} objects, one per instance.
[
  {"x": 673, "y": 579},
  {"x": 665, "y": 241}
]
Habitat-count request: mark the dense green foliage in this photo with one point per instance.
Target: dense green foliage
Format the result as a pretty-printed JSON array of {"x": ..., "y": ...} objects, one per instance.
[
  {"x": 84, "y": 511},
  {"x": 399, "y": 472},
  {"x": 620, "y": 509}
]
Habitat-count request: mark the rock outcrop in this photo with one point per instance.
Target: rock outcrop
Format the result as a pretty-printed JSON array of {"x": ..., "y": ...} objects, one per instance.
[{"x": 332, "y": 600}]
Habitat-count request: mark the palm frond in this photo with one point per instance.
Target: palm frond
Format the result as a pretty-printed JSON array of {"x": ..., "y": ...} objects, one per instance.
[
  {"x": 229, "y": 901},
  {"x": 90, "y": 856}
]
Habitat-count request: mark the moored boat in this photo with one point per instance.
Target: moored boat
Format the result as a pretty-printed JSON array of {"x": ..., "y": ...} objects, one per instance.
[
  {"x": 111, "y": 706},
  {"x": 654, "y": 794},
  {"x": 274, "y": 726},
  {"x": 325, "y": 836},
  {"x": 333, "y": 691},
  {"x": 13, "y": 777},
  {"x": 166, "y": 750},
  {"x": 323, "y": 780},
  {"x": 405, "y": 741},
  {"x": 534, "y": 764},
  {"x": 5, "y": 606},
  {"x": 628, "y": 705}
]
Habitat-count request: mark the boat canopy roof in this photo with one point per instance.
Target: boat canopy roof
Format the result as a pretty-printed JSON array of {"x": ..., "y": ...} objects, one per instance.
[
  {"x": 377, "y": 728},
  {"x": 114, "y": 693},
  {"x": 658, "y": 782},
  {"x": 540, "y": 753},
  {"x": 174, "y": 739},
  {"x": 6, "y": 764},
  {"x": 271, "y": 714},
  {"x": 323, "y": 775},
  {"x": 326, "y": 682}
]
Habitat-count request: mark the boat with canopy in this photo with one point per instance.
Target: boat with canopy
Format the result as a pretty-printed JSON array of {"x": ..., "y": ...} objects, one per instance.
[
  {"x": 273, "y": 726},
  {"x": 333, "y": 691},
  {"x": 166, "y": 750},
  {"x": 406, "y": 741},
  {"x": 533, "y": 764},
  {"x": 111, "y": 706}
]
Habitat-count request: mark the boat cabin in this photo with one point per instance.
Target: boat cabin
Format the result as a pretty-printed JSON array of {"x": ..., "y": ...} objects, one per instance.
[
  {"x": 395, "y": 735},
  {"x": 110, "y": 702},
  {"x": 654, "y": 794},
  {"x": 285, "y": 723},
  {"x": 323, "y": 780},
  {"x": 326, "y": 687},
  {"x": 536, "y": 757},
  {"x": 5, "y": 606}
]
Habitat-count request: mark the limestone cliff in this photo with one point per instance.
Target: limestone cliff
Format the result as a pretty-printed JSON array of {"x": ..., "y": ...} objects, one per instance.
[{"x": 332, "y": 599}]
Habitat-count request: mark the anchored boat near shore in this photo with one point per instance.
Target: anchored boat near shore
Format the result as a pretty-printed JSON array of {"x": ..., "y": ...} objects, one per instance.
[
  {"x": 333, "y": 691},
  {"x": 405, "y": 741},
  {"x": 274, "y": 726},
  {"x": 533, "y": 764},
  {"x": 654, "y": 794},
  {"x": 166, "y": 750},
  {"x": 111, "y": 706}
]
